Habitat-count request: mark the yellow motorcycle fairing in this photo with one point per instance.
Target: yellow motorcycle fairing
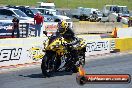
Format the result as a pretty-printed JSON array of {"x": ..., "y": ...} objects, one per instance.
[{"x": 56, "y": 46}]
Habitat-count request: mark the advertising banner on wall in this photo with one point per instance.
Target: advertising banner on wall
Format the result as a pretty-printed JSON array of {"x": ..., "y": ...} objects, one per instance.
[
  {"x": 28, "y": 50},
  {"x": 20, "y": 51},
  {"x": 50, "y": 27},
  {"x": 5, "y": 29},
  {"x": 95, "y": 47}
]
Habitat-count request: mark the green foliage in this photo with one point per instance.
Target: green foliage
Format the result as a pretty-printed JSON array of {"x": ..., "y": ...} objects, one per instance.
[{"x": 71, "y": 3}]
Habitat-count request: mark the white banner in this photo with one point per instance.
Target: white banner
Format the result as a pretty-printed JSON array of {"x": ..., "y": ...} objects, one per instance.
[
  {"x": 20, "y": 51},
  {"x": 101, "y": 46},
  {"x": 49, "y": 26},
  {"x": 27, "y": 50}
]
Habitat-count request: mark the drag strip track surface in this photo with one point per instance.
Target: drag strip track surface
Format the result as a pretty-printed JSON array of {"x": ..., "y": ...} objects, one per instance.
[{"x": 31, "y": 77}]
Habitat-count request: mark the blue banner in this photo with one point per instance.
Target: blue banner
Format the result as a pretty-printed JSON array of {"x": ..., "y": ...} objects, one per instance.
[{"x": 5, "y": 29}]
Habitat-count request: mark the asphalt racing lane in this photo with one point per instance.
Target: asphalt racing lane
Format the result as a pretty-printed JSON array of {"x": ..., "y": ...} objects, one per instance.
[{"x": 31, "y": 77}]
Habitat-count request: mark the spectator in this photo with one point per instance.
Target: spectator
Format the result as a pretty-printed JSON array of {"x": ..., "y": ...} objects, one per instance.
[
  {"x": 15, "y": 27},
  {"x": 130, "y": 21},
  {"x": 95, "y": 14},
  {"x": 64, "y": 13},
  {"x": 118, "y": 18},
  {"x": 38, "y": 21}
]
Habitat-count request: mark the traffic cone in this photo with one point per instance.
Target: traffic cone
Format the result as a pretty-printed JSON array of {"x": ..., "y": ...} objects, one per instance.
[
  {"x": 81, "y": 71},
  {"x": 114, "y": 33}
]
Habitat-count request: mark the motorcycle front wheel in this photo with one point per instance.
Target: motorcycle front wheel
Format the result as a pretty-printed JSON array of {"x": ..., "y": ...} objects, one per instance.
[{"x": 49, "y": 64}]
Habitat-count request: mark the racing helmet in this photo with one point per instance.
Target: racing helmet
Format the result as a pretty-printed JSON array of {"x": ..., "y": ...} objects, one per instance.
[{"x": 62, "y": 27}]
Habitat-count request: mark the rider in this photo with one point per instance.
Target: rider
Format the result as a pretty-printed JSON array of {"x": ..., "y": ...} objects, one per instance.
[
  {"x": 69, "y": 36},
  {"x": 66, "y": 32}
]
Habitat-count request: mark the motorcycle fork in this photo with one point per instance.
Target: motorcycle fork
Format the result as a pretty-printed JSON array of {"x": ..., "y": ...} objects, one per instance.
[{"x": 51, "y": 61}]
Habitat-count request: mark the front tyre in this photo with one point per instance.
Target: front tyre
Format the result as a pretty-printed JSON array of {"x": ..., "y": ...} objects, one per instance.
[
  {"x": 49, "y": 64},
  {"x": 44, "y": 66}
]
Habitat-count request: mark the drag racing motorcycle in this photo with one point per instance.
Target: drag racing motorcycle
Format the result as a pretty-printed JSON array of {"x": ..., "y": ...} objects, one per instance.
[{"x": 61, "y": 57}]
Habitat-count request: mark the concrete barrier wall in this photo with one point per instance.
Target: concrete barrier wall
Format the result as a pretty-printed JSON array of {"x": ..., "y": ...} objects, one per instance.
[
  {"x": 90, "y": 37},
  {"x": 123, "y": 44},
  {"x": 95, "y": 27},
  {"x": 27, "y": 50},
  {"x": 20, "y": 51},
  {"x": 96, "y": 45},
  {"x": 124, "y": 32}
]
